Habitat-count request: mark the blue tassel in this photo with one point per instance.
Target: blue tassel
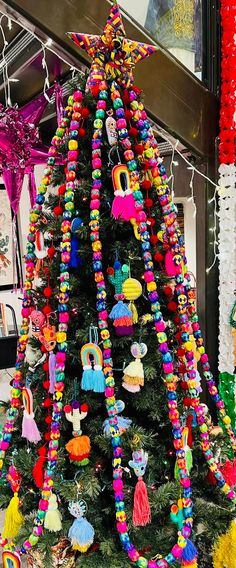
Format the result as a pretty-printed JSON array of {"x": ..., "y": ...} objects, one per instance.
[
  {"x": 122, "y": 423},
  {"x": 120, "y": 310},
  {"x": 87, "y": 379},
  {"x": 98, "y": 380},
  {"x": 81, "y": 534},
  {"x": 189, "y": 552},
  {"x": 75, "y": 260}
]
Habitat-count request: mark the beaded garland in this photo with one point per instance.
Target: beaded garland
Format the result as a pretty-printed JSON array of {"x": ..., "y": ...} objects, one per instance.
[{"x": 71, "y": 111}]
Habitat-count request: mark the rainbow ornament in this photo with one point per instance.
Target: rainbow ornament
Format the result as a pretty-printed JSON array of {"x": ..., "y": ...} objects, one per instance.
[
  {"x": 93, "y": 377},
  {"x": 11, "y": 559}
]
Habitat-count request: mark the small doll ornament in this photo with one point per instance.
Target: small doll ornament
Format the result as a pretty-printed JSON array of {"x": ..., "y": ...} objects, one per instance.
[
  {"x": 141, "y": 510},
  {"x": 29, "y": 427},
  {"x": 120, "y": 313},
  {"x": 52, "y": 520},
  {"x": 122, "y": 423},
  {"x": 37, "y": 322},
  {"x": 92, "y": 361},
  {"x": 187, "y": 454},
  {"x": 111, "y": 130},
  {"x": 40, "y": 249},
  {"x": 48, "y": 338},
  {"x": 79, "y": 446},
  {"x": 13, "y": 518},
  {"x": 81, "y": 533},
  {"x": 134, "y": 374}
]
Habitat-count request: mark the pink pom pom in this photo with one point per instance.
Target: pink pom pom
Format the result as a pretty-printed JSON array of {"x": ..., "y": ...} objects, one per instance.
[
  {"x": 25, "y": 312},
  {"x": 118, "y": 484},
  {"x": 185, "y": 482},
  {"x": 160, "y": 326},
  {"x": 121, "y": 123},
  {"x": 122, "y": 527},
  {"x": 95, "y": 204},
  {"x": 149, "y": 276},
  {"x": 109, "y": 392},
  {"x": 43, "y": 505},
  {"x": 73, "y": 155},
  {"x": 142, "y": 217},
  {"x": 96, "y": 163},
  {"x": 64, "y": 317},
  {"x": 177, "y": 551},
  {"x": 78, "y": 96},
  {"x": 4, "y": 445},
  {"x": 60, "y": 357},
  {"x": 101, "y": 105},
  {"x": 204, "y": 358}
]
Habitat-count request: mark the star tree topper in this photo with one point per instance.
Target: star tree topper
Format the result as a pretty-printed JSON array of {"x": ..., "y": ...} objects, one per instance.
[{"x": 113, "y": 55}]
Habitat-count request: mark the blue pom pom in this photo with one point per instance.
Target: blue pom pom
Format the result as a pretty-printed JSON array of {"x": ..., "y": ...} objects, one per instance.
[
  {"x": 98, "y": 381},
  {"x": 87, "y": 379},
  {"x": 117, "y": 265},
  {"x": 189, "y": 552},
  {"x": 120, "y": 310}
]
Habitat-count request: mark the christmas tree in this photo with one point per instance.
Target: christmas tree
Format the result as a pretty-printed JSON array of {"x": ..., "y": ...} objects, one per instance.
[{"x": 108, "y": 309}]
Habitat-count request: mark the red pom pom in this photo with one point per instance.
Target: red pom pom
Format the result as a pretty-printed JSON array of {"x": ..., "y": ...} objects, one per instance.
[
  {"x": 46, "y": 366},
  {"x": 150, "y": 221},
  {"x": 125, "y": 97},
  {"x": 148, "y": 202},
  {"x": 61, "y": 190},
  {"x": 58, "y": 210},
  {"x": 187, "y": 401},
  {"x": 158, "y": 257},
  {"x": 128, "y": 114},
  {"x": 47, "y": 436},
  {"x": 146, "y": 184},
  {"x": 48, "y": 419},
  {"x": 182, "y": 369},
  {"x": 139, "y": 149},
  {"x": 95, "y": 91},
  {"x": 81, "y": 132},
  {"x": 167, "y": 290},
  {"x": 47, "y": 403},
  {"x": 51, "y": 252},
  {"x": 47, "y": 310},
  {"x": 84, "y": 408},
  {"x": 133, "y": 132},
  {"x": 172, "y": 306},
  {"x": 180, "y": 352},
  {"x": 85, "y": 112},
  {"x": 153, "y": 239},
  {"x": 184, "y": 384},
  {"x": 46, "y": 385},
  {"x": 110, "y": 270},
  {"x": 67, "y": 408},
  {"x": 48, "y": 292}
]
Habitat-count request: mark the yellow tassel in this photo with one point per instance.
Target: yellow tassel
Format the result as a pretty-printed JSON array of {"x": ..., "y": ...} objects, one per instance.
[
  {"x": 13, "y": 519},
  {"x": 53, "y": 517},
  {"x": 134, "y": 312},
  {"x": 224, "y": 551}
]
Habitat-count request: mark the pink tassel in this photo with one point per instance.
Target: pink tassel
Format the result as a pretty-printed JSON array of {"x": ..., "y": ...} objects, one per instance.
[
  {"x": 29, "y": 427},
  {"x": 142, "y": 511},
  {"x": 170, "y": 267},
  {"x": 123, "y": 207},
  {"x": 52, "y": 371}
]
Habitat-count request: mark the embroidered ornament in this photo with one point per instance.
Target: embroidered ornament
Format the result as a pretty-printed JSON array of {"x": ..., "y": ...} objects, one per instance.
[
  {"x": 132, "y": 290},
  {"x": 92, "y": 361},
  {"x": 52, "y": 520},
  {"x": 111, "y": 130},
  {"x": 133, "y": 374},
  {"x": 141, "y": 510},
  {"x": 37, "y": 322},
  {"x": 79, "y": 447},
  {"x": 177, "y": 515},
  {"x": 120, "y": 313},
  {"x": 81, "y": 533},
  {"x": 48, "y": 337},
  {"x": 29, "y": 427},
  {"x": 186, "y": 454}
]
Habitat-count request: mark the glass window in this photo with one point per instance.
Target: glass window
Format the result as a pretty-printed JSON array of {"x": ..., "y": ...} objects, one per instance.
[{"x": 176, "y": 24}]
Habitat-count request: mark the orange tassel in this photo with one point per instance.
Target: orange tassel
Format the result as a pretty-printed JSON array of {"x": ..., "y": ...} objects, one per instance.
[{"x": 79, "y": 449}]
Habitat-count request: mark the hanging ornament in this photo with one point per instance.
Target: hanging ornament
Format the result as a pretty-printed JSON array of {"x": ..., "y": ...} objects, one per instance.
[
  {"x": 186, "y": 454},
  {"x": 48, "y": 337},
  {"x": 132, "y": 290},
  {"x": 92, "y": 362},
  {"x": 79, "y": 446},
  {"x": 40, "y": 249},
  {"x": 120, "y": 313},
  {"x": 141, "y": 510},
  {"x": 29, "y": 427},
  {"x": 133, "y": 374},
  {"x": 123, "y": 206},
  {"x": 13, "y": 518},
  {"x": 11, "y": 559},
  {"x": 177, "y": 515},
  {"x": 37, "y": 322},
  {"x": 38, "y": 468},
  {"x": 52, "y": 520},
  {"x": 122, "y": 423},
  {"x": 81, "y": 533},
  {"x": 75, "y": 260},
  {"x": 189, "y": 556},
  {"x": 111, "y": 130}
]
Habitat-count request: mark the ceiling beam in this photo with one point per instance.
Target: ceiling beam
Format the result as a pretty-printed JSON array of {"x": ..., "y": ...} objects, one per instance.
[{"x": 173, "y": 96}]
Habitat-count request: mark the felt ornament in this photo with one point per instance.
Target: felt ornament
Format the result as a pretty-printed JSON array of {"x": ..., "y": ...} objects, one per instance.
[
  {"x": 52, "y": 520},
  {"x": 189, "y": 556},
  {"x": 122, "y": 423},
  {"x": 123, "y": 206},
  {"x": 29, "y": 427},
  {"x": 40, "y": 249},
  {"x": 75, "y": 260},
  {"x": 224, "y": 550},
  {"x": 111, "y": 130},
  {"x": 133, "y": 376},
  {"x": 37, "y": 322},
  {"x": 92, "y": 362},
  {"x": 187, "y": 454},
  {"x": 11, "y": 559},
  {"x": 132, "y": 290},
  {"x": 13, "y": 518},
  {"x": 141, "y": 510},
  {"x": 38, "y": 468},
  {"x": 81, "y": 533},
  {"x": 177, "y": 515},
  {"x": 120, "y": 313},
  {"x": 48, "y": 337},
  {"x": 79, "y": 447}
]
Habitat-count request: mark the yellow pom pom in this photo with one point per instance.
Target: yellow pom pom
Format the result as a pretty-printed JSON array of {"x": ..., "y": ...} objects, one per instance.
[
  {"x": 227, "y": 420},
  {"x": 224, "y": 551},
  {"x": 72, "y": 144}
]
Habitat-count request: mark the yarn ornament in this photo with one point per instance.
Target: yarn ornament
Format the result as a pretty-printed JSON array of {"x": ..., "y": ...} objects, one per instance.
[
  {"x": 93, "y": 376},
  {"x": 79, "y": 447},
  {"x": 75, "y": 260},
  {"x": 186, "y": 454},
  {"x": 122, "y": 423},
  {"x": 11, "y": 559},
  {"x": 111, "y": 130},
  {"x": 133, "y": 376},
  {"x": 120, "y": 313},
  {"x": 38, "y": 468},
  {"x": 81, "y": 533},
  {"x": 40, "y": 249},
  {"x": 177, "y": 515},
  {"x": 48, "y": 337},
  {"x": 141, "y": 509},
  {"x": 14, "y": 518},
  {"x": 52, "y": 520},
  {"x": 52, "y": 371},
  {"x": 123, "y": 206},
  {"x": 37, "y": 322},
  {"x": 29, "y": 427},
  {"x": 132, "y": 290},
  {"x": 170, "y": 267},
  {"x": 224, "y": 550},
  {"x": 189, "y": 556}
]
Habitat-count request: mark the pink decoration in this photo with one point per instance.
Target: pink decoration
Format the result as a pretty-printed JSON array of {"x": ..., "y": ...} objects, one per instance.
[
  {"x": 52, "y": 371},
  {"x": 171, "y": 269},
  {"x": 142, "y": 511}
]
